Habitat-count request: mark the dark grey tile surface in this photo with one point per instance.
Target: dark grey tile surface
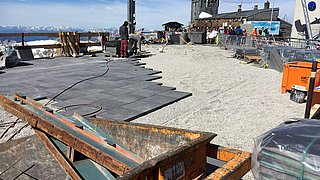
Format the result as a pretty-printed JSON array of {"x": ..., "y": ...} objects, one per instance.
[
  {"x": 121, "y": 113},
  {"x": 124, "y": 93}
]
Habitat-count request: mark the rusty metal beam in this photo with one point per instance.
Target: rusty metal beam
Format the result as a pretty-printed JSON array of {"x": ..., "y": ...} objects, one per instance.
[
  {"x": 95, "y": 148},
  {"x": 238, "y": 162}
]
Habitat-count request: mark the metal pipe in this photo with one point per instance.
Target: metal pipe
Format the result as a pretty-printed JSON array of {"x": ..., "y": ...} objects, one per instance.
[
  {"x": 131, "y": 15},
  {"x": 307, "y": 19},
  {"x": 311, "y": 89},
  {"x": 22, "y": 39}
]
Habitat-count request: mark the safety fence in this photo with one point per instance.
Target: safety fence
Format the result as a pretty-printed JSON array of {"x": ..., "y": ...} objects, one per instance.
[{"x": 259, "y": 41}]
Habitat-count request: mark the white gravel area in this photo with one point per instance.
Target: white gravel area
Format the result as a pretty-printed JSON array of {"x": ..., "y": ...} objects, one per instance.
[{"x": 238, "y": 102}]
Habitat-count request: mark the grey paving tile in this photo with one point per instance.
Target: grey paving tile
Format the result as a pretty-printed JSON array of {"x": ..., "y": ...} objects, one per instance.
[
  {"x": 160, "y": 88},
  {"x": 145, "y": 92},
  {"x": 147, "y": 78},
  {"x": 127, "y": 98},
  {"x": 96, "y": 97},
  {"x": 110, "y": 103},
  {"x": 176, "y": 94},
  {"x": 124, "y": 93},
  {"x": 83, "y": 110},
  {"x": 71, "y": 95},
  {"x": 116, "y": 91},
  {"x": 140, "y": 85},
  {"x": 142, "y": 106},
  {"x": 74, "y": 101},
  {"x": 120, "y": 113},
  {"x": 161, "y": 100}
]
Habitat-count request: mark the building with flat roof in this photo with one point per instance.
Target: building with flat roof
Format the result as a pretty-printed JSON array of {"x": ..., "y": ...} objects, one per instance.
[{"x": 240, "y": 17}]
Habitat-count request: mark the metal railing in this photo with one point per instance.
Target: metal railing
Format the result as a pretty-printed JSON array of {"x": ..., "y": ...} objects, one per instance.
[
  {"x": 105, "y": 36},
  {"x": 259, "y": 41}
]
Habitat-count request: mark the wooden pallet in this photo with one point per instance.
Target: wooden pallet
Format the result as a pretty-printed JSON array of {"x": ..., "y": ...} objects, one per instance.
[
  {"x": 238, "y": 56},
  {"x": 253, "y": 58}
]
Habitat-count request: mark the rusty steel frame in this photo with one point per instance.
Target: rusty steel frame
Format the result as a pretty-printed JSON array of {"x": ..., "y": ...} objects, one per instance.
[
  {"x": 41, "y": 125},
  {"x": 238, "y": 163}
]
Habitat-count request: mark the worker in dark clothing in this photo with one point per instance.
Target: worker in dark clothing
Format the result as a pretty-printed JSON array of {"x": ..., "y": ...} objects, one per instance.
[
  {"x": 124, "y": 35},
  {"x": 266, "y": 31}
]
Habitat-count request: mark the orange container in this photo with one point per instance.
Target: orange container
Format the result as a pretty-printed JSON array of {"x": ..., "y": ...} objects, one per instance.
[{"x": 297, "y": 73}]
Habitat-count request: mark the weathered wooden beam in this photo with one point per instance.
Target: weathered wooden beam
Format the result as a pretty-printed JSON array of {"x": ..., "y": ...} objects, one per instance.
[
  {"x": 29, "y": 34},
  {"x": 48, "y": 46}
]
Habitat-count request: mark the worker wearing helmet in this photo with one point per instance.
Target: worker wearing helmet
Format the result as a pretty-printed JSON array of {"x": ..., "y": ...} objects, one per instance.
[{"x": 254, "y": 34}]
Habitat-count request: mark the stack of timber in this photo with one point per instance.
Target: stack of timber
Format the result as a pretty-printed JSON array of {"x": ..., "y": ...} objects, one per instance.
[
  {"x": 290, "y": 151},
  {"x": 70, "y": 42}
]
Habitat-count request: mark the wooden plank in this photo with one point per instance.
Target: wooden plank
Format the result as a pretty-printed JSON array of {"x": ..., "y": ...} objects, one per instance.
[
  {"x": 63, "y": 48},
  {"x": 29, "y": 34},
  {"x": 51, "y": 46},
  {"x": 253, "y": 58},
  {"x": 93, "y": 34},
  {"x": 71, "y": 44}
]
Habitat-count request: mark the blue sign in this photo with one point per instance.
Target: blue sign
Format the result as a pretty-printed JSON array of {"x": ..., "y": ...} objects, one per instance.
[
  {"x": 274, "y": 28},
  {"x": 312, "y": 6}
]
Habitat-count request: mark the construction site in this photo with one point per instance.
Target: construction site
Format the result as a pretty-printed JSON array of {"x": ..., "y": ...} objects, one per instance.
[{"x": 230, "y": 96}]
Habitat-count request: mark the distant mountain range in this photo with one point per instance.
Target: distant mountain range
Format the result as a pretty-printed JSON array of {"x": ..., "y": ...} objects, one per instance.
[{"x": 34, "y": 29}]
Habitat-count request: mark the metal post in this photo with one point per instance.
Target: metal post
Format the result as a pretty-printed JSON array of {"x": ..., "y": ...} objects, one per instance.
[
  {"x": 306, "y": 16},
  {"x": 131, "y": 15},
  {"x": 272, "y": 12},
  {"x": 311, "y": 89},
  {"x": 22, "y": 39}
]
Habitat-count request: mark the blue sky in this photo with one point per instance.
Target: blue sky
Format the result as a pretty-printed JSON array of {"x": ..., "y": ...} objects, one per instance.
[{"x": 111, "y": 13}]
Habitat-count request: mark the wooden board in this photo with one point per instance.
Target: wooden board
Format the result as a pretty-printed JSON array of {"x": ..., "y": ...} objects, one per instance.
[{"x": 253, "y": 58}]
